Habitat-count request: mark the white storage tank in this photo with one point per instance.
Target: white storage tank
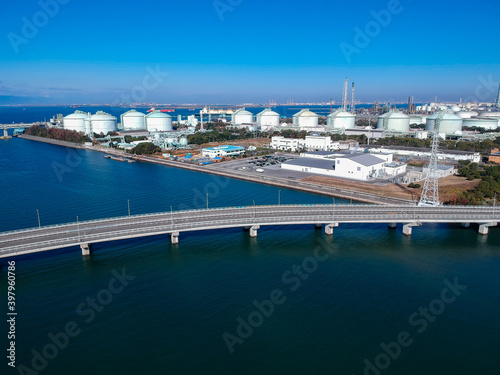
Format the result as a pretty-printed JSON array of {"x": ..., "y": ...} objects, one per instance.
[
  {"x": 268, "y": 118},
  {"x": 340, "y": 120},
  {"x": 159, "y": 122},
  {"x": 455, "y": 108},
  {"x": 103, "y": 122},
  {"x": 489, "y": 114},
  {"x": 487, "y": 123},
  {"x": 76, "y": 121},
  {"x": 242, "y": 116},
  {"x": 416, "y": 119},
  {"x": 466, "y": 114},
  {"x": 307, "y": 119},
  {"x": 448, "y": 123},
  {"x": 183, "y": 142},
  {"x": 133, "y": 120},
  {"x": 394, "y": 121}
]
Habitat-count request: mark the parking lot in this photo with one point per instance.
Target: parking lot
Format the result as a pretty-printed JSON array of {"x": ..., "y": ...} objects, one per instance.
[{"x": 251, "y": 165}]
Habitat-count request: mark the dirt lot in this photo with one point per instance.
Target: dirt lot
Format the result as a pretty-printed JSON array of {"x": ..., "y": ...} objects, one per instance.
[{"x": 448, "y": 186}]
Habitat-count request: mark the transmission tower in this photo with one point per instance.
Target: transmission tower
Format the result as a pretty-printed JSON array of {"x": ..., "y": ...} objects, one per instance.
[{"x": 430, "y": 194}]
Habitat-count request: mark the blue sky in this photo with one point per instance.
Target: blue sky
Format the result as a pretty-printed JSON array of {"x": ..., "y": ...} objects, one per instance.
[{"x": 236, "y": 51}]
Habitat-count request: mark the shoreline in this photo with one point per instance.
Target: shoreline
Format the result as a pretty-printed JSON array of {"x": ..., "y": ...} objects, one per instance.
[{"x": 273, "y": 181}]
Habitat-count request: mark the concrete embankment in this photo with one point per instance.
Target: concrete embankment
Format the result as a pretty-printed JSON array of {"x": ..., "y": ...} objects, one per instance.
[{"x": 274, "y": 181}]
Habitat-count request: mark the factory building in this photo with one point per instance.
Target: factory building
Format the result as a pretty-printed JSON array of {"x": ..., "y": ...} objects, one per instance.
[
  {"x": 422, "y": 153},
  {"x": 442, "y": 170},
  {"x": 158, "y": 121},
  {"x": 242, "y": 116},
  {"x": 133, "y": 120},
  {"x": 317, "y": 143},
  {"x": 310, "y": 143},
  {"x": 354, "y": 166},
  {"x": 286, "y": 144},
  {"x": 222, "y": 151},
  {"x": 487, "y": 123},
  {"x": 394, "y": 121},
  {"x": 268, "y": 119},
  {"x": 447, "y": 123},
  {"x": 340, "y": 120}
]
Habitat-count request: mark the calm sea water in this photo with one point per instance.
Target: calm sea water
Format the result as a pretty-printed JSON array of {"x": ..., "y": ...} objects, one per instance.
[
  {"x": 32, "y": 114},
  {"x": 365, "y": 288}
]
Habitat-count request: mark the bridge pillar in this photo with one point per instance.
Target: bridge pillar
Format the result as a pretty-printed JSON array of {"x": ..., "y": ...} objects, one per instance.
[
  {"x": 174, "y": 237},
  {"x": 329, "y": 228},
  {"x": 407, "y": 228},
  {"x": 392, "y": 225},
  {"x": 5, "y": 133},
  {"x": 484, "y": 228},
  {"x": 253, "y": 230},
  {"x": 86, "y": 247}
]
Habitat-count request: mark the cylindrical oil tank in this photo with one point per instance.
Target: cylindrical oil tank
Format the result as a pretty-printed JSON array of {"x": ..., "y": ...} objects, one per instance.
[
  {"x": 268, "y": 118},
  {"x": 242, "y": 116},
  {"x": 159, "y": 121},
  {"x": 341, "y": 120},
  {"x": 448, "y": 123},
  {"x": 487, "y": 123},
  {"x": 308, "y": 119},
  {"x": 133, "y": 120},
  {"x": 416, "y": 119},
  {"x": 466, "y": 114},
  {"x": 103, "y": 122},
  {"x": 489, "y": 114},
  {"x": 394, "y": 121},
  {"x": 75, "y": 121},
  {"x": 455, "y": 108}
]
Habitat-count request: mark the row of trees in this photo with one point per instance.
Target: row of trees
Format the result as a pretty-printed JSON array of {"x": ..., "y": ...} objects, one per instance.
[
  {"x": 146, "y": 148},
  {"x": 489, "y": 184},
  {"x": 59, "y": 134}
]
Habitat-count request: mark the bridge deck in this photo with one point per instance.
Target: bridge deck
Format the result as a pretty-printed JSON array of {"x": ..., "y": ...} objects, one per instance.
[{"x": 72, "y": 234}]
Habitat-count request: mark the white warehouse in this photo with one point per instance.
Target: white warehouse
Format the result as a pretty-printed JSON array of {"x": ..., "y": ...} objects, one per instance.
[{"x": 354, "y": 166}]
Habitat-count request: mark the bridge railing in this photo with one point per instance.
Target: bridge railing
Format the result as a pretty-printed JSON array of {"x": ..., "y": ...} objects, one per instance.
[
  {"x": 395, "y": 210},
  {"x": 247, "y": 221}
]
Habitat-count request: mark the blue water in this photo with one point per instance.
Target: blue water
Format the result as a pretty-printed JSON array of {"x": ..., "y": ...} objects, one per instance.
[
  {"x": 9, "y": 114},
  {"x": 362, "y": 290}
]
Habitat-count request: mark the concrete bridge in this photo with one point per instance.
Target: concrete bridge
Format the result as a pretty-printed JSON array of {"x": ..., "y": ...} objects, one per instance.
[
  {"x": 4, "y": 127},
  {"x": 85, "y": 233}
]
